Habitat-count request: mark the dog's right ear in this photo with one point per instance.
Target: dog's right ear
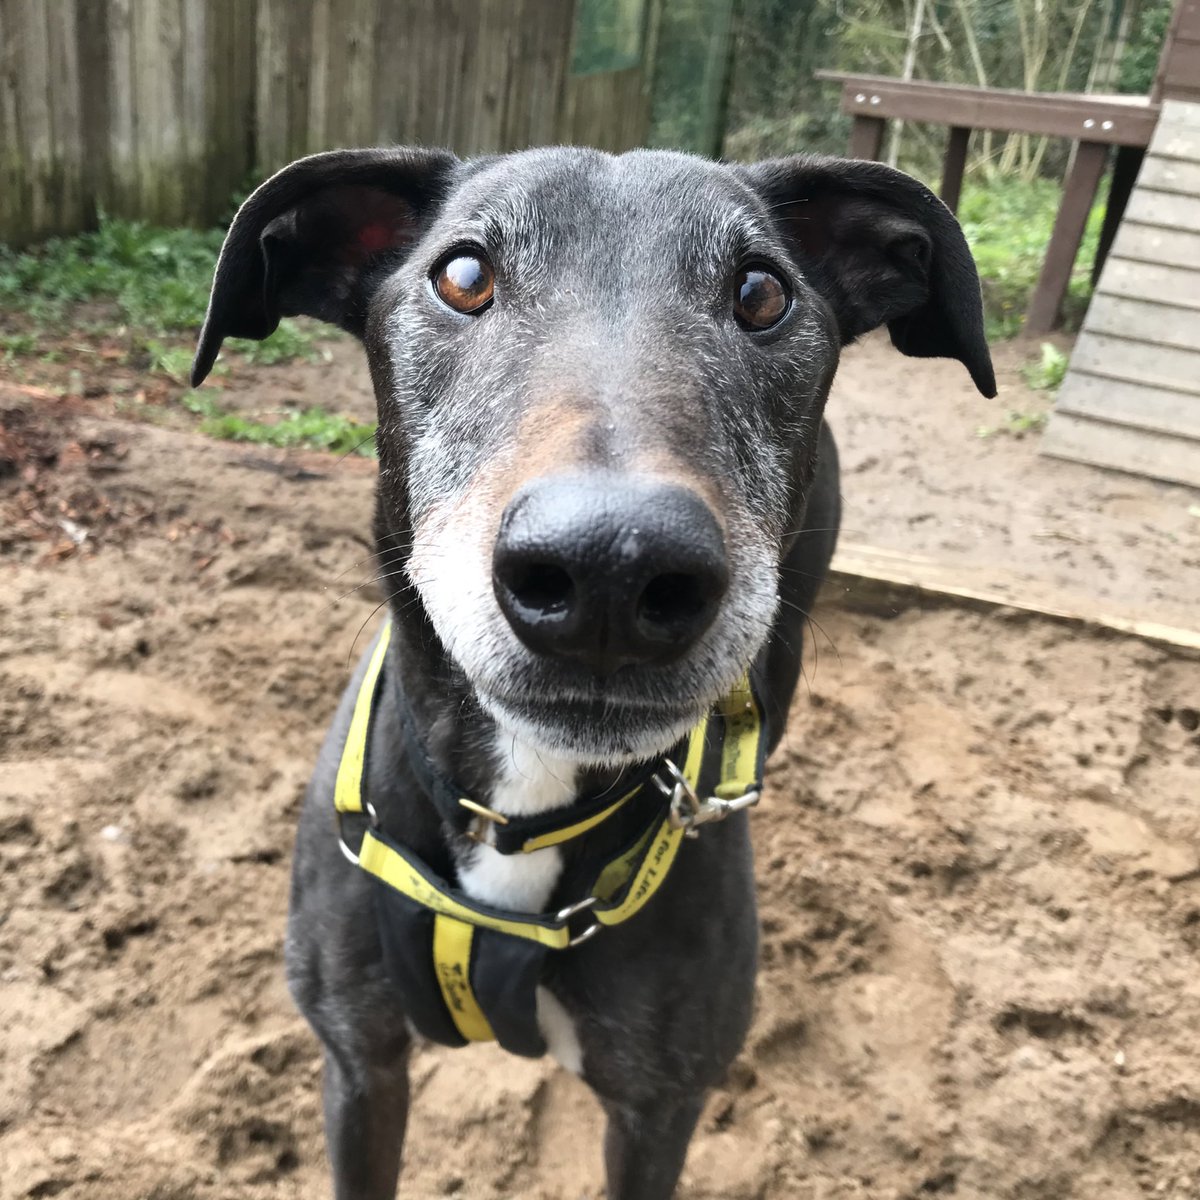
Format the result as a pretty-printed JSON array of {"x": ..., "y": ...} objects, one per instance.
[{"x": 315, "y": 240}]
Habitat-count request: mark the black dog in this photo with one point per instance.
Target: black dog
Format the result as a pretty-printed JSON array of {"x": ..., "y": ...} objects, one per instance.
[{"x": 606, "y": 491}]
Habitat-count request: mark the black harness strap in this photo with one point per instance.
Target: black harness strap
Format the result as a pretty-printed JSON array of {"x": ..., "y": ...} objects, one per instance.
[{"x": 467, "y": 971}]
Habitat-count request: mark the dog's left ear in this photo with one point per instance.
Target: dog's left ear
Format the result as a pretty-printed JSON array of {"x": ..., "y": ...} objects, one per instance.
[
  {"x": 881, "y": 248},
  {"x": 317, "y": 239}
]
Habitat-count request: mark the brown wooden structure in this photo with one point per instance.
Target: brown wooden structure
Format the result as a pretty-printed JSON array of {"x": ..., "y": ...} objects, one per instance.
[
  {"x": 1131, "y": 398},
  {"x": 161, "y": 109},
  {"x": 1095, "y": 123}
]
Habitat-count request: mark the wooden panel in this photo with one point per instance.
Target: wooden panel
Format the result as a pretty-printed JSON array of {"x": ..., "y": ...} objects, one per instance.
[
  {"x": 1121, "y": 448},
  {"x": 1097, "y": 118},
  {"x": 880, "y": 580},
  {"x": 1179, "y": 114},
  {"x": 1165, "y": 209},
  {"x": 1173, "y": 140},
  {"x": 1180, "y": 68},
  {"x": 1180, "y": 175},
  {"x": 1137, "y": 362},
  {"x": 1151, "y": 408},
  {"x": 44, "y": 184},
  {"x": 1149, "y": 281},
  {"x": 1153, "y": 243},
  {"x": 610, "y": 110},
  {"x": 1159, "y": 324},
  {"x": 161, "y": 108}
]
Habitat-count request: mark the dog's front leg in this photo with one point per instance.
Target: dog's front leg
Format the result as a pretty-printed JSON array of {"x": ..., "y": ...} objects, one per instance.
[
  {"x": 366, "y": 1109},
  {"x": 645, "y": 1145}
]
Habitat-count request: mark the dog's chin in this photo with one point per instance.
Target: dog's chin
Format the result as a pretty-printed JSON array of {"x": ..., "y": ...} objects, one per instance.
[{"x": 593, "y": 733}]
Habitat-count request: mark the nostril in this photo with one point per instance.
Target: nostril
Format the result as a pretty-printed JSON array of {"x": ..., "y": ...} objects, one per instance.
[
  {"x": 542, "y": 588},
  {"x": 672, "y": 603}
]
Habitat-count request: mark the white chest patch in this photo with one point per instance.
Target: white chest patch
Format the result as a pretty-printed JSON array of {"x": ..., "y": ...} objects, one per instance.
[{"x": 528, "y": 782}]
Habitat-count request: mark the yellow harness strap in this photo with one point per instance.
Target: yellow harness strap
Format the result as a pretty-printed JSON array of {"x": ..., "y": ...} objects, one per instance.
[{"x": 622, "y": 886}]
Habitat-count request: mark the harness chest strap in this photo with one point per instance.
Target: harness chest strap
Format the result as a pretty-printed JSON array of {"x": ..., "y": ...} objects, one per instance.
[{"x": 474, "y": 951}]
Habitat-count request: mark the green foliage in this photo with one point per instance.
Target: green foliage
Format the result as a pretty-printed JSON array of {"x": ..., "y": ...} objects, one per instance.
[
  {"x": 1140, "y": 60},
  {"x": 173, "y": 361},
  {"x": 1017, "y": 424},
  {"x": 690, "y": 70},
  {"x": 1008, "y": 225},
  {"x": 1048, "y": 372},
  {"x": 14, "y": 345},
  {"x": 290, "y": 341},
  {"x": 315, "y": 428},
  {"x": 157, "y": 279}
]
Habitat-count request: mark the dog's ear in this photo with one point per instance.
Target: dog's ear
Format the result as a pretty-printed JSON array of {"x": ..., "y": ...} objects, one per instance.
[
  {"x": 315, "y": 239},
  {"x": 881, "y": 248}
]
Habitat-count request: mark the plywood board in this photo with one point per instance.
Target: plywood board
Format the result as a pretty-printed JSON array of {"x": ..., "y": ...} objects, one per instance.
[
  {"x": 1161, "y": 456},
  {"x": 1151, "y": 281},
  {"x": 1158, "y": 324},
  {"x": 1124, "y": 359},
  {"x": 1153, "y": 243},
  {"x": 1158, "y": 410},
  {"x": 884, "y": 580},
  {"x": 1164, "y": 208},
  {"x": 1164, "y": 174}
]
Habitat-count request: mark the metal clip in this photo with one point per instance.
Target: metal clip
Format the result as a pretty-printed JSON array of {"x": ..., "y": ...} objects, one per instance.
[
  {"x": 347, "y": 853},
  {"x": 480, "y": 828},
  {"x": 689, "y": 811},
  {"x": 565, "y": 914}
]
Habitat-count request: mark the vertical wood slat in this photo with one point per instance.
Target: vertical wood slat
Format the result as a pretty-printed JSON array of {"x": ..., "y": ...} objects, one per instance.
[{"x": 161, "y": 109}]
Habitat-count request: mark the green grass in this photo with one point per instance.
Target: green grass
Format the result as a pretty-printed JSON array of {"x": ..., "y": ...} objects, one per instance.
[
  {"x": 1048, "y": 372},
  {"x": 1017, "y": 424},
  {"x": 1008, "y": 224},
  {"x": 314, "y": 428},
  {"x": 156, "y": 279}
]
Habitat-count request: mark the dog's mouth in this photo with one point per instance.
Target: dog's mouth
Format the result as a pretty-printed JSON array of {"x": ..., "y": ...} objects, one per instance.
[{"x": 595, "y": 730}]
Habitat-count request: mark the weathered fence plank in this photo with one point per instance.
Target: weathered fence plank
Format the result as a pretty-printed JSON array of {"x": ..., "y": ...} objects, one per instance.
[{"x": 162, "y": 109}]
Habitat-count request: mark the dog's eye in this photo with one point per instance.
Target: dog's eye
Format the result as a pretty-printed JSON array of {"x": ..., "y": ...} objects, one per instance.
[
  {"x": 465, "y": 282},
  {"x": 760, "y": 298}
]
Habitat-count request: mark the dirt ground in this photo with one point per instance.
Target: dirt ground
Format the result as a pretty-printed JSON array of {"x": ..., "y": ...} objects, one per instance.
[{"x": 979, "y": 855}]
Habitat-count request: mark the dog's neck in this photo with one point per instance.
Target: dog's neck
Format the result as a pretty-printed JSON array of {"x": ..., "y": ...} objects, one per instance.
[{"x": 494, "y": 766}]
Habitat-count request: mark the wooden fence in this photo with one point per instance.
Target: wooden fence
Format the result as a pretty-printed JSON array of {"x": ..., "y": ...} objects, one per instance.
[{"x": 162, "y": 109}]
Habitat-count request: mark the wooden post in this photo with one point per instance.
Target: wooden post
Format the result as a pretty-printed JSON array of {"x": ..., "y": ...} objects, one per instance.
[
  {"x": 866, "y": 138},
  {"x": 1126, "y": 166},
  {"x": 953, "y": 166},
  {"x": 1079, "y": 192}
]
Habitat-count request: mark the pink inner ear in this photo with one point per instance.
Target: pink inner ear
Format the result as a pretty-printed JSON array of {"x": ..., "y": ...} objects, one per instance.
[
  {"x": 379, "y": 235},
  {"x": 369, "y": 220}
]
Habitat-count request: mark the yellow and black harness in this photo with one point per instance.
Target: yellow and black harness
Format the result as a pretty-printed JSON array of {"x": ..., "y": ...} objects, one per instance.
[{"x": 468, "y": 972}]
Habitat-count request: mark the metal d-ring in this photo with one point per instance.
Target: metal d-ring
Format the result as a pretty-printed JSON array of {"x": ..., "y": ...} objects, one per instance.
[
  {"x": 688, "y": 810},
  {"x": 347, "y": 853},
  {"x": 565, "y": 914}
]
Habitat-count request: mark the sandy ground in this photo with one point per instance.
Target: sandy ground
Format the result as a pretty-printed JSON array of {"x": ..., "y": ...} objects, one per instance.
[
  {"x": 980, "y": 881},
  {"x": 917, "y": 477}
]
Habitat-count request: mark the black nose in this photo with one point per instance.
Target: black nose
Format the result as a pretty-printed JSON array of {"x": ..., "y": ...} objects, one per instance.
[{"x": 607, "y": 570}]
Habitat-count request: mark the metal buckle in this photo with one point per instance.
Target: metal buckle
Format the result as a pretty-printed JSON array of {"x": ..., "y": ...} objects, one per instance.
[
  {"x": 688, "y": 810},
  {"x": 347, "y": 853},
  {"x": 565, "y": 914},
  {"x": 478, "y": 830}
]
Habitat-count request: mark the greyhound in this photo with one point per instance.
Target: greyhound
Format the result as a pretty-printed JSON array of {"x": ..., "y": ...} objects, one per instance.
[{"x": 606, "y": 499}]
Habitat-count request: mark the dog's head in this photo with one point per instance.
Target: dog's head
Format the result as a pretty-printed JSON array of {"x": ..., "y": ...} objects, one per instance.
[{"x": 600, "y": 383}]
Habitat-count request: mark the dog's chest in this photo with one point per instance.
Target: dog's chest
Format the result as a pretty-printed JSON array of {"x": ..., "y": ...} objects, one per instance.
[{"x": 526, "y": 783}]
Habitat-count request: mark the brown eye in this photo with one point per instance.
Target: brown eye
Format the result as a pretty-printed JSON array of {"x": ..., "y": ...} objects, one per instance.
[
  {"x": 465, "y": 282},
  {"x": 760, "y": 298}
]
